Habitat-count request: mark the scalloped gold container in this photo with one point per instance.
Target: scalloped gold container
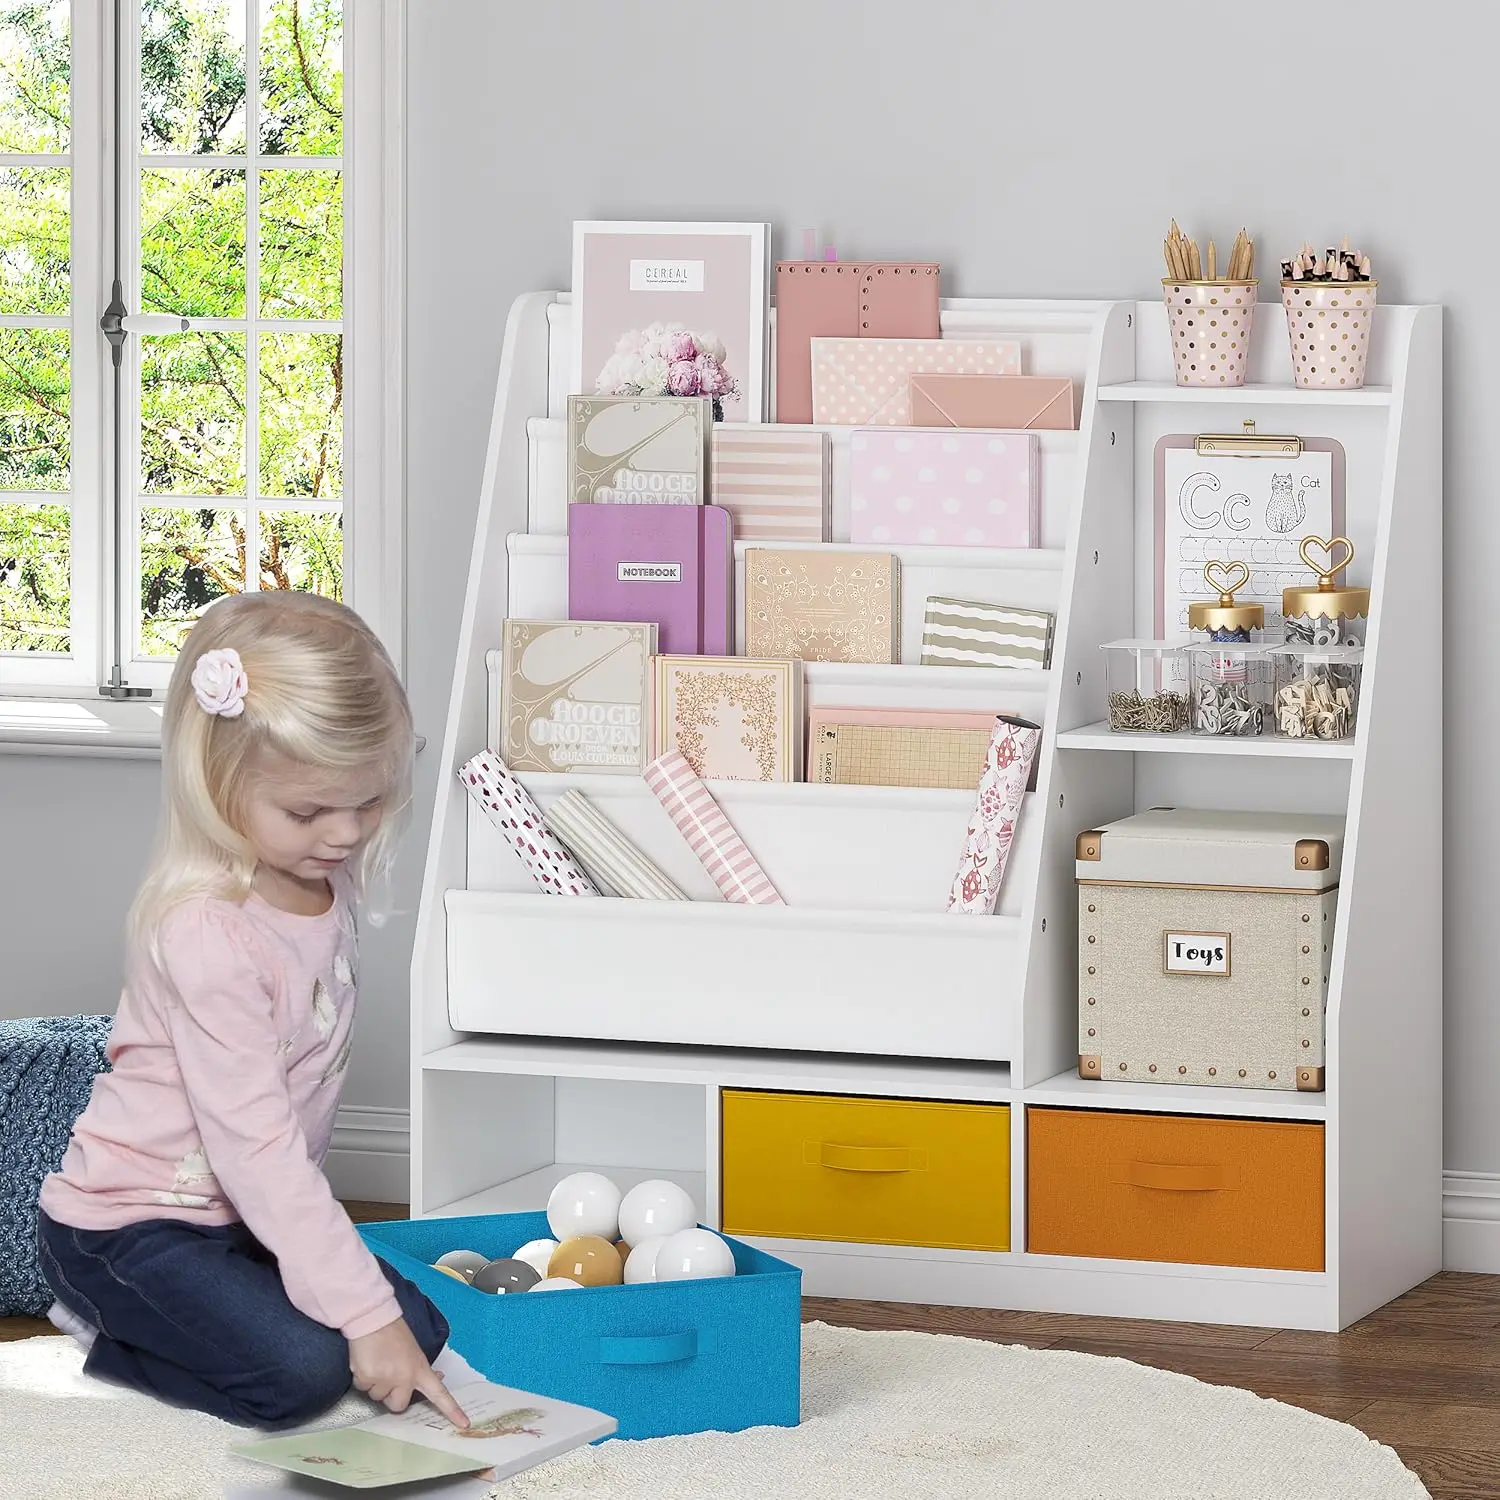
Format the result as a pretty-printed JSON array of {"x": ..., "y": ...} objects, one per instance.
[{"x": 1210, "y": 326}]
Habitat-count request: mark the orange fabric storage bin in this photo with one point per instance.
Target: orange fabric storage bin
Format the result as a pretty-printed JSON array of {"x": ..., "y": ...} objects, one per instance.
[
  {"x": 1182, "y": 1188},
  {"x": 866, "y": 1171}
]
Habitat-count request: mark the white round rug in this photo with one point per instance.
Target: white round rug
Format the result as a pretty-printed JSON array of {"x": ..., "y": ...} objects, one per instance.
[{"x": 908, "y": 1415}]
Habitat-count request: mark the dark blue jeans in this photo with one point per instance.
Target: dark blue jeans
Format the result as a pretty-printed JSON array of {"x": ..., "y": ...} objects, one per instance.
[{"x": 197, "y": 1316}]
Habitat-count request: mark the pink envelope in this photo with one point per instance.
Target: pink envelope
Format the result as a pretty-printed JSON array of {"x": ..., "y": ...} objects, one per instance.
[
  {"x": 944, "y": 488},
  {"x": 866, "y": 382}
]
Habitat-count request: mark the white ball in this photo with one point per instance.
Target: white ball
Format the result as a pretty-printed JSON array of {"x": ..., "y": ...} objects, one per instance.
[
  {"x": 654, "y": 1210},
  {"x": 692, "y": 1255},
  {"x": 556, "y": 1284},
  {"x": 585, "y": 1203},
  {"x": 465, "y": 1262},
  {"x": 537, "y": 1254},
  {"x": 640, "y": 1264}
]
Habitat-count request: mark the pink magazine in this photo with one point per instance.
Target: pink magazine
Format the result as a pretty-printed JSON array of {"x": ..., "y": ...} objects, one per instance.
[
  {"x": 707, "y": 279},
  {"x": 671, "y": 564},
  {"x": 944, "y": 487}
]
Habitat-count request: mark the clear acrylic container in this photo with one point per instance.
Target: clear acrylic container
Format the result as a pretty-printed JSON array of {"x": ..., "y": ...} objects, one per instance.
[
  {"x": 1147, "y": 686},
  {"x": 1317, "y": 691},
  {"x": 1231, "y": 687}
]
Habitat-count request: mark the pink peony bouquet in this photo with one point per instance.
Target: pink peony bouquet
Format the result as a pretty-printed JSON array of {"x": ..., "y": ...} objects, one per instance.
[{"x": 667, "y": 360}]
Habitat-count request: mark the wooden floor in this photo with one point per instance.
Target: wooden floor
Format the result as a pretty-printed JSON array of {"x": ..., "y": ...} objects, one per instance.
[{"x": 1422, "y": 1374}]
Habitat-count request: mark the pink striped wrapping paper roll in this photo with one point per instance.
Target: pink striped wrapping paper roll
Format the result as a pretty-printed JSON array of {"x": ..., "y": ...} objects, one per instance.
[
  {"x": 992, "y": 824},
  {"x": 701, "y": 821},
  {"x": 508, "y": 805}
]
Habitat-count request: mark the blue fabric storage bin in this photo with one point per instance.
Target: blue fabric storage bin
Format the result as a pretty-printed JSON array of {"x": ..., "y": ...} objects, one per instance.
[{"x": 661, "y": 1358}]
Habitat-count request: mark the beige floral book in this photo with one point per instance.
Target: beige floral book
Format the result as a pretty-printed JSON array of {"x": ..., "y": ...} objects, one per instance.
[
  {"x": 823, "y": 605},
  {"x": 730, "y": 717}
]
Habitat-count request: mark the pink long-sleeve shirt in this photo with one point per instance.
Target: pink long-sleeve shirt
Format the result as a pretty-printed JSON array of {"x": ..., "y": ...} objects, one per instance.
[{"x": 221, "y": 1102}]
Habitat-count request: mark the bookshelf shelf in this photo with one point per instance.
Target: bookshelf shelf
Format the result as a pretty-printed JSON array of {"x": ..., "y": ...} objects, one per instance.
[
  {"x": 1263, "y": 747},
  {"x": 1250, "y": 394},
  {"x": 548, "y": 1032}
]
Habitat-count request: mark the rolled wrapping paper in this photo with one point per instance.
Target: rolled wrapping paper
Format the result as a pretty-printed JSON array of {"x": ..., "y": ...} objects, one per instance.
[
  {"x": 992, "y": 824},
  {"x": 614, "y": 863},
  {"x": 508, "y": 805},
  {"x": 701, "y": 821}
]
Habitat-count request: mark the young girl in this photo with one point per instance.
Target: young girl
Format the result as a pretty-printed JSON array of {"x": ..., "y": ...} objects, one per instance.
[{"x": 190, "y": 1237}]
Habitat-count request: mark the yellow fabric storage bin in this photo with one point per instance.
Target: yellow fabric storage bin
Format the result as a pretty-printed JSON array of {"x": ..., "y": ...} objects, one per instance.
[{"x": 866, "y": 1171}]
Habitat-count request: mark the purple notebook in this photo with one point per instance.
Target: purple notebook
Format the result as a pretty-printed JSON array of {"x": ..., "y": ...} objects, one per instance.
[{"x": 672, "y": 564}]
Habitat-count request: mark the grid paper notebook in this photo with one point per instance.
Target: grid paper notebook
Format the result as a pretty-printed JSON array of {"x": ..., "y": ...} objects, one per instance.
[
  {"x": 961, "y": 633},
  {"x": 897, "y": 755}
]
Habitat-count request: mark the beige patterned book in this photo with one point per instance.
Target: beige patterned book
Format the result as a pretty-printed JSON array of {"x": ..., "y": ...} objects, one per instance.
[
  {"x": 637, "y": 450},
  {"x": 774, "y": 482},
  {"x": 823, "y": 606},
  {"x": 898, "y": 755},
  {"x": 730, "y": 717},
  {"x": 571, "y": 695}
]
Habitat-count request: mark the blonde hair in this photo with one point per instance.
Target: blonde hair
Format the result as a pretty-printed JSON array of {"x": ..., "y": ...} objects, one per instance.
[{"x": 322, "y": 693}]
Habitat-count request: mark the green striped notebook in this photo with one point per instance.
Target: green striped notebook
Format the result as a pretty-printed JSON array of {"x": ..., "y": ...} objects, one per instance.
[{"x": 961, "y": 633}]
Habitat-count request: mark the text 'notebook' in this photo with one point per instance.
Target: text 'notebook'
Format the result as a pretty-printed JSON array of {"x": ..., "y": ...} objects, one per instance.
[
  {"x": 844, "y": 299},
  {"x": 672, "y": 564}
]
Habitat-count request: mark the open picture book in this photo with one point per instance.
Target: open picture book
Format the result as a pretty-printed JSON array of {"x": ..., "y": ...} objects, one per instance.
[{"x": 509, "y": 1431}]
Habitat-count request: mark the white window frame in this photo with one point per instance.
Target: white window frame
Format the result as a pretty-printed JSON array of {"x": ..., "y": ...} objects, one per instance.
[
  {"x": 373, "y": 495},
  {"x": 87, "y": 491}
]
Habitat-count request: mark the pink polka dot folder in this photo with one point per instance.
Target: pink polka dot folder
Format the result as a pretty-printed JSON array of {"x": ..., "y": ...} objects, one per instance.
[{"x": 944, "y": 487}]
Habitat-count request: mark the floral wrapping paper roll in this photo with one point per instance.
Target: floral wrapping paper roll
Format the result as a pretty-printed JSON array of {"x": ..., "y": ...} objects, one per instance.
[
  {"x": 992, "y": 824},
  {"x": 508, "y": 805},
  {"x": 701, "y": 821}
]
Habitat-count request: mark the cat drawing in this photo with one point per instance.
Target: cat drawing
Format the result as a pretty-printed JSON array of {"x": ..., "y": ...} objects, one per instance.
[{"x": 1284, "y": 511}]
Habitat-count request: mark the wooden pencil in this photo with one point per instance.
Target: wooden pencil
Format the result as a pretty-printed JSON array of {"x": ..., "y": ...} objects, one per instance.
[{"x": 1212, "y": 262}]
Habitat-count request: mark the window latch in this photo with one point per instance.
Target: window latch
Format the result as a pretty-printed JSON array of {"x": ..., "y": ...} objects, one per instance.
[{"x": 117, "y": 322}]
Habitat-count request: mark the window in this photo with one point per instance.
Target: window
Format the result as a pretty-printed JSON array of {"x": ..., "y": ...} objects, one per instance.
[{"x": 232, "y": 214}]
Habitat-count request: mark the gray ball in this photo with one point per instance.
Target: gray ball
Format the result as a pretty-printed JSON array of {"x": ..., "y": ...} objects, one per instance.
[
  {"x": 468, "y": 1263},
  {"x": 505, "y": 1275}
]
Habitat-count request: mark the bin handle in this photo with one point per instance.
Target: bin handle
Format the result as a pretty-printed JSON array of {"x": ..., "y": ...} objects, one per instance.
[
  {"x": 663, "y": 1349},
  {"x": 864, "y": 1158},
  {"x": 1176, "y": 1179}
]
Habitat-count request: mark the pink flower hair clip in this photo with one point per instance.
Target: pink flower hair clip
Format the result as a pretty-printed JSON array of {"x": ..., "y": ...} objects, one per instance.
[{"x": 220, "y": 683}]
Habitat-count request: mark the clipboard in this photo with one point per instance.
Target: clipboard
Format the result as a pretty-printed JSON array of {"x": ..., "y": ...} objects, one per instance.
[{"x": 1246, "y": 497}]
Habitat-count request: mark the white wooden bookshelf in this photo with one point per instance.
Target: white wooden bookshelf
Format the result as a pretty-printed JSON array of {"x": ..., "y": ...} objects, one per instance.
[{"x": 550, "y": 1035}]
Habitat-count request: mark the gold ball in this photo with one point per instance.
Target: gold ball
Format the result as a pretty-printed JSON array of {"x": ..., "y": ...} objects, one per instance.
[
  {"x": 456, "y": 1275},
  {"x": 588, "y": 1259}
]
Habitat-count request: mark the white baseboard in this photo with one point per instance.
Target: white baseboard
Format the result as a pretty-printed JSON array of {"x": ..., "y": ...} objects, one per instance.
[
  {"x": 371, "y": 1160},
  {"x": 370, "y": 1157},
  {"x": 1471, "y": 1221}
]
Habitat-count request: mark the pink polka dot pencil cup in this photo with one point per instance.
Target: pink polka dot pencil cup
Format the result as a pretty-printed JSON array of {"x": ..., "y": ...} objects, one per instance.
[
  {"x": 1209, "y": 317},
  {"x": 1330, "y": 305}
]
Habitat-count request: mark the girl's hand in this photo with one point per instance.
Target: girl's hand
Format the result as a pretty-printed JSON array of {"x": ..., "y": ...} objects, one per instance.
[{"x": 389, "y": 1366}]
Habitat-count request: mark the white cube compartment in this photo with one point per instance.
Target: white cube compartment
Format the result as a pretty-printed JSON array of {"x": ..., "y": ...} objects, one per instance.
[{"x": 520, "y": 1134}]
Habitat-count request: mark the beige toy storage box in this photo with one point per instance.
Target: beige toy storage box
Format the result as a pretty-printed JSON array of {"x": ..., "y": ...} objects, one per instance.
[{"x": 1203, "y": 944}]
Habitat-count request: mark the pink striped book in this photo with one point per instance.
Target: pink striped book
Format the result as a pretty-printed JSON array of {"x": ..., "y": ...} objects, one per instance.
[
  {"x": 773, "y": 481},
  {"x": 701, "y": 821}
]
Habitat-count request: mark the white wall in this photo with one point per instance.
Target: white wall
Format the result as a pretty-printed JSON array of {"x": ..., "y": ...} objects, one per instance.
[{"x": 1034, "y": 151}]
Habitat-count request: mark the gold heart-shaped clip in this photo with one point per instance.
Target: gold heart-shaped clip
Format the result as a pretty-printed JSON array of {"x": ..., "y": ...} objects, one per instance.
[
  {"x": 1328, "y": 568},
  {"x": 1217, "y": 575}
]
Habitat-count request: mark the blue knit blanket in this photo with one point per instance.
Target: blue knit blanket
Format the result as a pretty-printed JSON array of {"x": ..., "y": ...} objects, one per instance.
[{"x": 47, "y": 1068}]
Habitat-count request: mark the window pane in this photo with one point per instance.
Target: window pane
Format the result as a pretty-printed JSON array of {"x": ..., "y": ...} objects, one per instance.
[
  {"x": 193, "y": 76},
  {"x": 301, "y": 77},
  {"x": 34, "y": 64},
  {"x": 193, "y": 414},
  {"x": 301, "y": 415},
  {"x": 34, "y": 254},
  {"x": 193, "y": 242},
  {"x": 35, "y": 547},
  {"x": 301, "y": 244},
  {"x": 303, "y": 550},
  {"x": 34, "y": 430},
  {"x": 189, "y": 558}
]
